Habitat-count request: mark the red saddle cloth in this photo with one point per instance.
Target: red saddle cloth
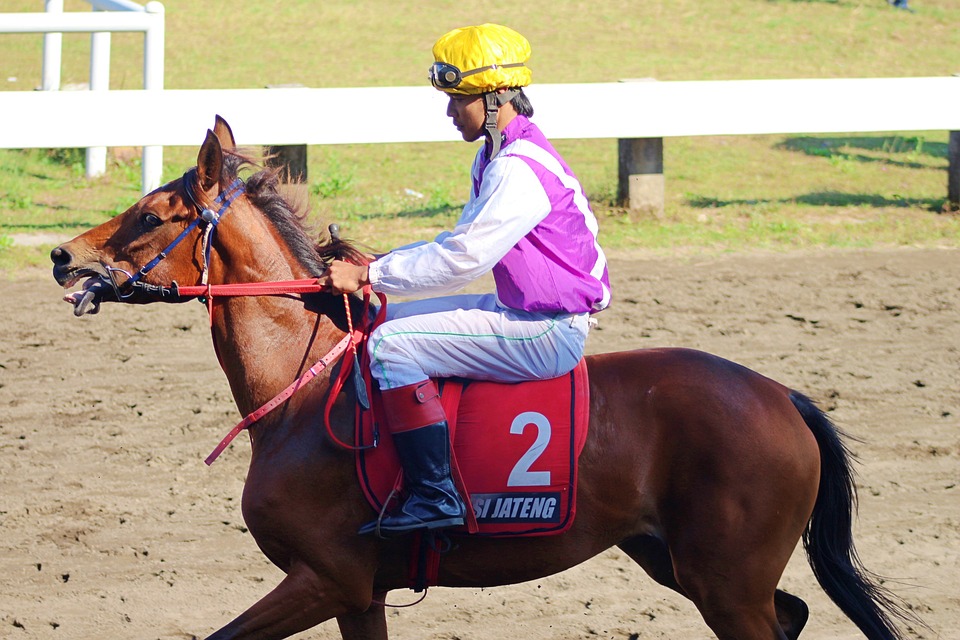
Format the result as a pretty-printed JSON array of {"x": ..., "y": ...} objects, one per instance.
[{"x": 515, "y": 449}]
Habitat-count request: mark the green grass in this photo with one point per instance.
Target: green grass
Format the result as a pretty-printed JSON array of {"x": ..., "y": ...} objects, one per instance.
[{"x": 723, "y": 193}]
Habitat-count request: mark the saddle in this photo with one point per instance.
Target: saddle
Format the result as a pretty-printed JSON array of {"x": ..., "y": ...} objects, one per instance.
[{"x": 513, "y": 455}]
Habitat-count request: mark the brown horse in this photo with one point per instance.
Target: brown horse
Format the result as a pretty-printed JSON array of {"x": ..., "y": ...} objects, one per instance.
[{"x": 705, "y": 473}]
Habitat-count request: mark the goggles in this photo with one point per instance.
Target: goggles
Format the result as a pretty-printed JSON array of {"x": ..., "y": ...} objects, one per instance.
[{"x": 446, "y": 76}]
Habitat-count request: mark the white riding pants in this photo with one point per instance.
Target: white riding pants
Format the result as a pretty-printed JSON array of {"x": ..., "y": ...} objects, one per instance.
[{"x": 472, "y": 336}]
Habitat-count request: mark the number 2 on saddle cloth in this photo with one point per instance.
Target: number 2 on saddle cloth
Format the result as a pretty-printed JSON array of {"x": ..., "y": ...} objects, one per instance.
[{"x": 514, "y": 449}]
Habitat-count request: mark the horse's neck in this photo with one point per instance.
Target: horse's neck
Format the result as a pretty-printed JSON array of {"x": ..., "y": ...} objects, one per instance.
[{"x": 263, "y": 342}]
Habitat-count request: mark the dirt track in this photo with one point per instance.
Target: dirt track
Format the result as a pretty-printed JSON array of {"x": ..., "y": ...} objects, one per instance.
[{"x": 111, "y": 526}]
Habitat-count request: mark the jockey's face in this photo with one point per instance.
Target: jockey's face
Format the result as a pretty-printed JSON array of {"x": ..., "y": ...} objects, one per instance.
[{"x": 468, "y": 115}]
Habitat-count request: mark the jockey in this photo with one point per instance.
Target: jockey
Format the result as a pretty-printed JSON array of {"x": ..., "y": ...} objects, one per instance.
[{"x": 527, "y": 221}]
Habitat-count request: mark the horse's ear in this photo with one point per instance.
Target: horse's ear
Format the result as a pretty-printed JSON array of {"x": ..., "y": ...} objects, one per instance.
[
  {"x": 210, "y": 162},
  {"x": 225, "y": 133}
]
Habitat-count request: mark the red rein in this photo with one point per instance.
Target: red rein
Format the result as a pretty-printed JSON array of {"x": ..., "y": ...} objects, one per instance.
[
  {"x": 349, "y": 341},
  {"x": 208, "y": 291},
  {"x": 282, "y": 397}
]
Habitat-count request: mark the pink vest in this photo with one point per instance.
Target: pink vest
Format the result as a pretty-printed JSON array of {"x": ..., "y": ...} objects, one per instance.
[{"x": 558, "y": 267}]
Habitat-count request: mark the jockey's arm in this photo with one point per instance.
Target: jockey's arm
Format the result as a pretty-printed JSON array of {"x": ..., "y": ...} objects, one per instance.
[{"x": 511, "y": 202}]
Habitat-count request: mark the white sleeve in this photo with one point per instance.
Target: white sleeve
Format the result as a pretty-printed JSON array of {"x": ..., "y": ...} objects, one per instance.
[{"x": 510, "y": 204}]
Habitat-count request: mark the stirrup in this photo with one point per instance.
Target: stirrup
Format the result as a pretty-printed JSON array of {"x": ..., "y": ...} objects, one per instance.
[{"x": 377, "y": 526}]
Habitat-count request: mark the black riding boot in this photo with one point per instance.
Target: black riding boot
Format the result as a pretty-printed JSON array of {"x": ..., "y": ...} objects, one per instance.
[{"x": 433, "y": 501}]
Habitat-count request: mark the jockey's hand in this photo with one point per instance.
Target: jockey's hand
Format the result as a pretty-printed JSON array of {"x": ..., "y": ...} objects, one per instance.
[{"x": 344, "y": 277}]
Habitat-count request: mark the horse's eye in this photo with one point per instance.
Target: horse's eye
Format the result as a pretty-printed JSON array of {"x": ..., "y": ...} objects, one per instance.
[{"x": 151, "y": 220}]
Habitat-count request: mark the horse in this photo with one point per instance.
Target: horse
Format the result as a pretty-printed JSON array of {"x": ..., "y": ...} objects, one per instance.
[{"x": 703, "y": 472}]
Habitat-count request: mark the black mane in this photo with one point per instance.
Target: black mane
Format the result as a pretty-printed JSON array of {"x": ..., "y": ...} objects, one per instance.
[{"x": 262, "y": 190}]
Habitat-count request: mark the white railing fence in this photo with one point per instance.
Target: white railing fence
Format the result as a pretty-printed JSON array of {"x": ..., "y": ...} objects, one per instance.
[
  {"x": 108, "y": 16},
  {"x": 639, "y": 114}
]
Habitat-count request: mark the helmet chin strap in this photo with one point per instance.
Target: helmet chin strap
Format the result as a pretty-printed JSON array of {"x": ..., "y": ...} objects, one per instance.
[{"x": 493, "y": 101}]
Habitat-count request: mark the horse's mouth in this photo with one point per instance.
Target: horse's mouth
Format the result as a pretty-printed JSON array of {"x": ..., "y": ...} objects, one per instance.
[{"x": 96, "y": 288}]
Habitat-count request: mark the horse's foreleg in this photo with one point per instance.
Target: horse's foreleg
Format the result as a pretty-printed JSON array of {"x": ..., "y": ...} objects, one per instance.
[
  {"x": 369, "y": 625},
  {"x": 301, "y": 601}
]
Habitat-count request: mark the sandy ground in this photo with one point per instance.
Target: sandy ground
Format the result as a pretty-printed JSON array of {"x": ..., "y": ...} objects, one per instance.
[{"x": 111, "y": 526}]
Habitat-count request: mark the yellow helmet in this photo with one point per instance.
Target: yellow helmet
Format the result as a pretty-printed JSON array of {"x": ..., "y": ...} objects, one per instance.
[{"x": 480, "y": 59}]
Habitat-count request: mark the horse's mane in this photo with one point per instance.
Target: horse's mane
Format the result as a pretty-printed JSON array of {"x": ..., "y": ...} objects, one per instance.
[{"x": 262, "y": 189}]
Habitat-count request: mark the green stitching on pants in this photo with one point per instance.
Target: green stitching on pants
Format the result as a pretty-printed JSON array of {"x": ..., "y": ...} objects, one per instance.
[{"x": 373, "y": 354}]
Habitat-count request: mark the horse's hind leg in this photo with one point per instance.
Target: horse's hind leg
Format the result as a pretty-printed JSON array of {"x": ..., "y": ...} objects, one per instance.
[
  {"x": 652, "y": 554},
  {"x": 792, "y": 613},
  {"x": 729, "y": 556}
]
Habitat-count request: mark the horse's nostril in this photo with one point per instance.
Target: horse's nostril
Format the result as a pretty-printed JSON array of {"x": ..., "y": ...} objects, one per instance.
[{"x": 60, "y": 256}]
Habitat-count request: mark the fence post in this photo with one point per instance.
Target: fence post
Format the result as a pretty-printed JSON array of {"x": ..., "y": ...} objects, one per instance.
[
  {"x": 640, "y": 182},
  {"x": 292, "y": 159},
  {"x": 99, "y": 81},
  {"x": 52, "y": 50},
  {"x": 953, "y": 172},
  {"x": 153, "y": 44},
  {"x": 640, "y": 185}
]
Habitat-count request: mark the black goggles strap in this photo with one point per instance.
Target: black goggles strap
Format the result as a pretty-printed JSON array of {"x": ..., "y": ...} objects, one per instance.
[{"x": 492, "y": 102}]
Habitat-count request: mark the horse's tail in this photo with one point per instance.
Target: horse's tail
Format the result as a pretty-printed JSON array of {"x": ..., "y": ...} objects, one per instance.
[{"x": 828, "y": 537}]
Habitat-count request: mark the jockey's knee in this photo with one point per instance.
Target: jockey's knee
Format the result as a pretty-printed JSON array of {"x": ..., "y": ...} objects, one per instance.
[{"x": 392, "y": 362}]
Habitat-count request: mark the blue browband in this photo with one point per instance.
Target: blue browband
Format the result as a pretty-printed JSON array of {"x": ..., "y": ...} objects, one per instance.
[{"x": 205, "y": 215}]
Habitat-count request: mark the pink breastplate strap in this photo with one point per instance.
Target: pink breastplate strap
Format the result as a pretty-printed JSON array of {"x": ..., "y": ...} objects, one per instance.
[{"x": 324, "y": 362}]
